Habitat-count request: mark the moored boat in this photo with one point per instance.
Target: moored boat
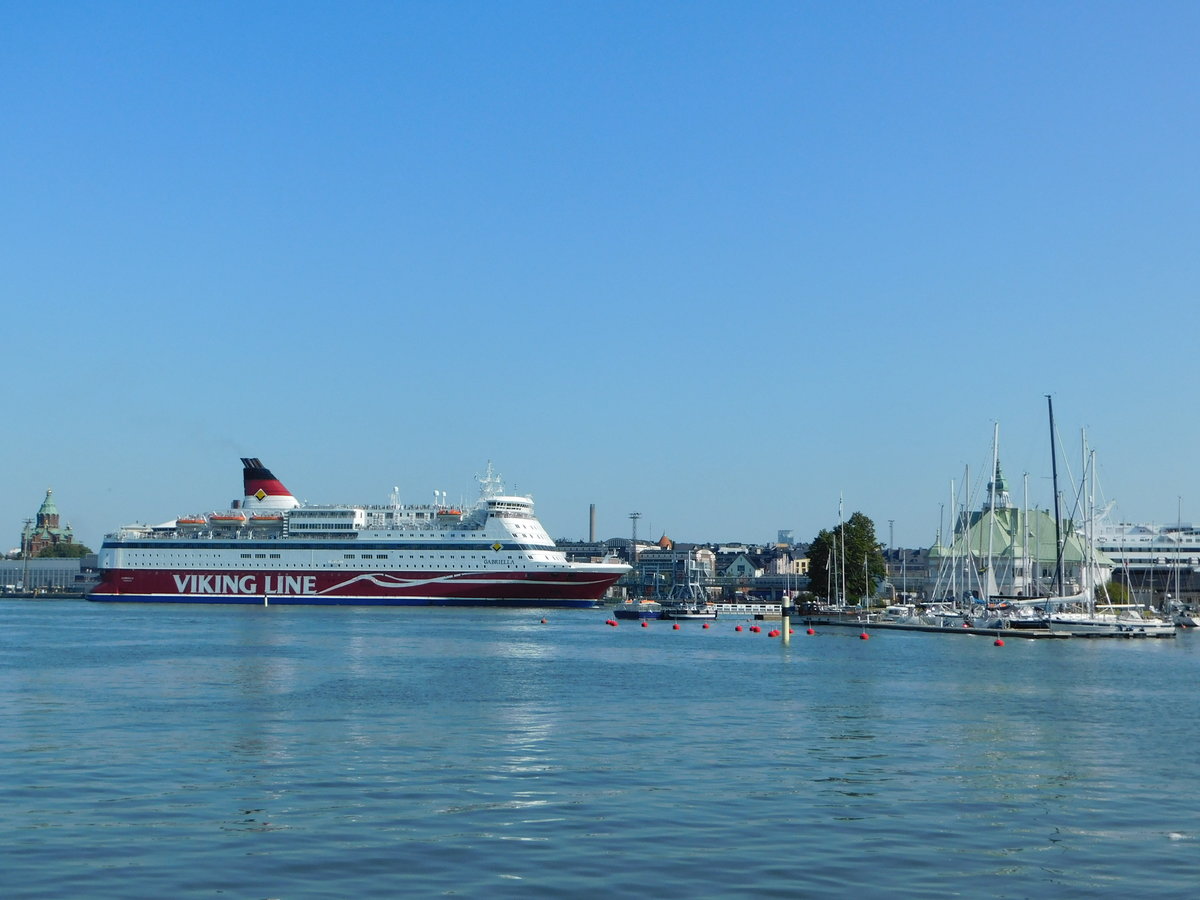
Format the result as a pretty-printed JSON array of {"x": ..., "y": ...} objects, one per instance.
[
  {"x": 1110, "y": 621},
  {"x": 689, "y": 610},
  {"x": 639, "y": 609}
]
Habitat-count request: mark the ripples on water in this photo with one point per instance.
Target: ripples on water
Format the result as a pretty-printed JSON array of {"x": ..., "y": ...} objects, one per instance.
[{"x": 305, "y": 752}]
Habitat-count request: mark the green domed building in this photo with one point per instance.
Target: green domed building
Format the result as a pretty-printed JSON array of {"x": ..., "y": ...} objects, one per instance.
[{"x": 45, "y": 531}]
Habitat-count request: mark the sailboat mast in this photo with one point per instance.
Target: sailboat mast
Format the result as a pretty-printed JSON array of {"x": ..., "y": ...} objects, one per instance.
[
  {"x": 842, "y": 562},
  {"x": 953, "y": 546},
  {"x": 991, "y": 575},
  {"x": 1093, "y": 583},
  {"x": 1178, "y": 546},
  {"x": 1058, "y": 544},
  {"x": 1025, "y": 566}
]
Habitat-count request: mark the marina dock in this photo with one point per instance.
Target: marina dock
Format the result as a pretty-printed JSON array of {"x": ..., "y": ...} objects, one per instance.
[{"x": 826, "y": 621}]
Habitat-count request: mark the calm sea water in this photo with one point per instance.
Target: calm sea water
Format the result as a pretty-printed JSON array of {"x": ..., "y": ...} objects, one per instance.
[{"x": 290, "y": 752}]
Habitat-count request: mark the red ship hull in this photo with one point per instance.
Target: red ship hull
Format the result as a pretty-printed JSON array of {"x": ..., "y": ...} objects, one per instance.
[{"x": 359, "y": 588}]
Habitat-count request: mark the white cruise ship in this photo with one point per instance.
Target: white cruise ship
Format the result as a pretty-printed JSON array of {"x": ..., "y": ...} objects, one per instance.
[
  {"x": 269, "y": 548},
  {"x": 1159, "y": 564}
]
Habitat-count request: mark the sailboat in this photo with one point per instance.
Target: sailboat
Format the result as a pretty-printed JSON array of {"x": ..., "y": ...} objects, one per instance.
[
  {"x": 987, "y": 577},
  {"x": 1078, "y": 615}
]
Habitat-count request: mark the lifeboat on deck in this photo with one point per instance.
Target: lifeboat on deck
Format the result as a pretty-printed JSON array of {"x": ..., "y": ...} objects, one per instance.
[{"x": 231, "y": 519}]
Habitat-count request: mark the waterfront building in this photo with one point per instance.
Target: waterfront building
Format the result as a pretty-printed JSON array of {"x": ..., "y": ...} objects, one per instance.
[
  {"x": 729, "y": 570},
  {"x": 908, "y": 571},
  {"x": 671, "y": 564},
  {"x": 1000, "y": 550},
  {"x": 48, "y": 576},
  {"x": 744, "y": 565}
]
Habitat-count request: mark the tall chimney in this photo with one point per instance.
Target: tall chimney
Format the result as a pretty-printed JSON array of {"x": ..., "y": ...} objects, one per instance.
[{"x": 592, "y": 523}]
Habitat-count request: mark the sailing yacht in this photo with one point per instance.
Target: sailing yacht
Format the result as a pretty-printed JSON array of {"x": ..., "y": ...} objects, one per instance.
[{"x": 1082, "y": 617}]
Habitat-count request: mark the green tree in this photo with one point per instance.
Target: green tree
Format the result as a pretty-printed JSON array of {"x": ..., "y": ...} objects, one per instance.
[
  {"x": 1112, "y": 592},
  {"x": 825, "y": 556},
  {"x": 64, "y": 551}
]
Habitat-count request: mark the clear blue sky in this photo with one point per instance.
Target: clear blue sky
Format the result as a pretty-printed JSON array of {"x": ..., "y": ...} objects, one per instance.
[{"x": 718, "y": 263}]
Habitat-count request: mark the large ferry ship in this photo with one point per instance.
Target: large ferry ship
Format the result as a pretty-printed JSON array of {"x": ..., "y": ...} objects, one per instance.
[
  {"x": 268, "y": 548},
  {"x": 1158, "y": 563}
]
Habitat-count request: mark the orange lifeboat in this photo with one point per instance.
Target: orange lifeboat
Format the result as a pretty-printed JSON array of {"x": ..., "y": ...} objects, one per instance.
[{"x": 229, "y": 518}]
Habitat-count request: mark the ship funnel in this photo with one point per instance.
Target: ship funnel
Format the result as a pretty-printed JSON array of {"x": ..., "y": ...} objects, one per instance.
[{"x": 264, "y": 490}]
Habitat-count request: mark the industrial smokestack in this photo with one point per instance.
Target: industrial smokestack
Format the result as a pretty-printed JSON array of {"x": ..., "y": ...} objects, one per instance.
[{"x": 592, "y": 523}]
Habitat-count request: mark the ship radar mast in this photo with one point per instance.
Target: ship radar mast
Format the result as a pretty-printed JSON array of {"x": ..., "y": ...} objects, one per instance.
[{"x": 490, "y": 482}]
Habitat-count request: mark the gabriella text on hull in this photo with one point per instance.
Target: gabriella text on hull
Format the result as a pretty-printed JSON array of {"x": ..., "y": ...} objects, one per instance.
[{"x": 267, "y": 547}]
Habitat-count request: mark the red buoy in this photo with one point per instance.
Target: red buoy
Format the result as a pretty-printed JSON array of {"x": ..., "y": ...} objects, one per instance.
[
  {"x": 645, "y": 624},
  {"x": 998, "y": 642},
  {"x": 739, "y": 628},
  {"x": 675, "y": 626},
  {"x": 811, "y": 631},
  {"x": 864, "y": 637},
  {"x": 705, "y": 624}
]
